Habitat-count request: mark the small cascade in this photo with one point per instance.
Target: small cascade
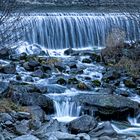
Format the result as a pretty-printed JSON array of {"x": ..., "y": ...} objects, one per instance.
[
  {"x": 77, "y": 30},
  {"x": 134, "y": 129},
  {"x": 66, "y": 110}
]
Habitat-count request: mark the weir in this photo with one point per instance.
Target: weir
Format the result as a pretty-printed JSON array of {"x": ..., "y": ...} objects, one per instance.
[{"x": 77, "y": 30}]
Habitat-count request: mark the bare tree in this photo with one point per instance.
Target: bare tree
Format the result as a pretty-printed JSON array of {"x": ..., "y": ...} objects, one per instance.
[{"x": 10, "y": 23}]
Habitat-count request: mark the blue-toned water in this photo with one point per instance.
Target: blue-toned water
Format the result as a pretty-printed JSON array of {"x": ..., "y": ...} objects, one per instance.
[{"x": 77, "y": 30}]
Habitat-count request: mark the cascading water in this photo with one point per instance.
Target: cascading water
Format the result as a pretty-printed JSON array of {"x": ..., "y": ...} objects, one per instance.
[
  {"x": 60, "y": 30},
  {"x": 66, "y": 110}
]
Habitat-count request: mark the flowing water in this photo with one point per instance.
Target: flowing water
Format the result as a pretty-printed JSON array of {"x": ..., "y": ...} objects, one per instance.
[
  {"x": 77, "y": 30},
  {"x": 57, "y": 31}
]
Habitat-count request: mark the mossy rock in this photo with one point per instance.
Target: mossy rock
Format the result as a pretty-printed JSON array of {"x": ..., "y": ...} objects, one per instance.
[
  {"x": 86, "y": 60},
  {"x": 73, "y": 81},
  {"x": 61, "y": 81},
  {"x": 95, "y": 57},
  {"x": 96, "y": 83},
  {"x": 129, "y": 83},
  {"x": 82, "y": 86}
]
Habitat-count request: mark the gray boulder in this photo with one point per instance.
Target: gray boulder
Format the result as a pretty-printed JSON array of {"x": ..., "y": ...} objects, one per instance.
[
  {"x": 61, "y": 136},
  {"x": 4, "y": 88},
  {"x": 52, "y": 126},
  {"x": 9, "y": 68},
  {"x": 22, "y": 127},
  {"x": 26, "y": 137},
  {"x": 106, "y": 104},
  {"x": 83, "y": 124},
  {"x": 4, "y": 53},
  {"x": 4, "y": 117},
  {"x": 104, "y": 129}
]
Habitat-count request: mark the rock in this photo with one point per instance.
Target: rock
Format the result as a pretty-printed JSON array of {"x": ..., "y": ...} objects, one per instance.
[
  {"x": 82, "y": 86},
  {"x": 27, "y": 67},
  {"x": 47, "y": 103},
  {"x": 50, "y": 88},
  {"x": 22, "y": 127},
  {"x": 35, "y": 124},
  {"x": 104, "y": 129},
  {"x": 9, "y": 68},
  {"x": 60, "y": 66},
  {"x": 111, "y": 75},
  {"x": 38, "y": 116},
  {"x": 4, "y": 53},
  {"x": 18, "y": 77},
  {"x": 23, "y": 56},
  {"x": 86, "y": 60},
  {"x": 68, "y": 51},
  {"x": 95, "y": 57},
  {"x": 4, "y": 88},
  {"x": 84, "y": 136},
  {"x": 33, "y": 63},
  {"x": 23, "y": 115},
  {"x": 73, "y": 81},
  {"x": 105, "y": 105},
  {"x": 96, "y": 83},
  {"x": 26, "y": 99},
  {"x": 61, "y": 136},
  {"x": 26, "y": 137},
  {"x": 38, "y": 73},
  {"x": 61, "y": 81},
  {"x": 2, "y": 137},
  {"x": 111, "y": 55},
  {"x": 8, "y": 123},
  {"x": 83, "y": 124},
  {"x": 4, "y": 117},
  {"x": 73, "y": 65},
  {"x": 52, "y": 126},
  {"x": 54, "y": 88},
  {"x": 37, "y": 113},
  {"x": 129, "y": 83}
]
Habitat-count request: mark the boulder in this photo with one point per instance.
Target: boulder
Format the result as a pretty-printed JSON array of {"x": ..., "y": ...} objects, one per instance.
[
  {"x": 129, "y": 83},
  {"x": 9, "y": 68},
  {"x": 26, "y": 99},
  {"x": 111, "y": 75},
  {"x": 52, "y": 126},
  {"x": 33, "y": 63},
  {"x": 50, "y": 88},
  {"x": 69, "y": 51},
  {"x": 95, "y": 57},
  {"x": 4, "y": 53},
  {"x": 4, "y": 88},
  {"x": 26, "y": 137},
  {"x": 86, "y": 60},
  {"x": 105, "y": 129},
  {"x": 61, "y": 136},
  {"x": 23, "y": 115},
  {"x": 47, "y": 103},
  {"x": 82, "y": 124},
  {"x": 106, "y": 105},
  {"x": 22, "y": 127},
  {"x": 38, "y": 73},
  {"x": 4, "y": 117}
]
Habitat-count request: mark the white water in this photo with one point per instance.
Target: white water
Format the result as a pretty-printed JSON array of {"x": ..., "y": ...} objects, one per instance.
[
  {"x": 134, "y": 130},
  {"x": 77, "y": 30},
  {"x": 66, "y": 110}
]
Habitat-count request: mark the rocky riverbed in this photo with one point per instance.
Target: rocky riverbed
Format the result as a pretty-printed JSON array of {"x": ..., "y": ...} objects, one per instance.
[{"x": 80, "y": 95}]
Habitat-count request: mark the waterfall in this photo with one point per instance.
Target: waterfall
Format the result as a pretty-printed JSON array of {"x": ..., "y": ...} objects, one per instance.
[
  {"x": 77, "y": 30},
  {"x": 66, "y": 110}
]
